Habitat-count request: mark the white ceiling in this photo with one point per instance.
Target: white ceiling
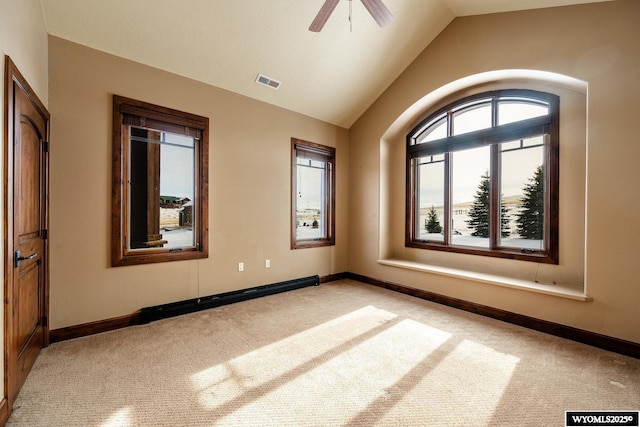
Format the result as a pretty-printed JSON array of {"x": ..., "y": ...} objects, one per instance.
[{"x": 334, "y": 75}]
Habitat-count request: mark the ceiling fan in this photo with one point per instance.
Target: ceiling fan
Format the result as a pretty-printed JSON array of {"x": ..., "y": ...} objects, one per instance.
[{"x": 376, "y": 8}]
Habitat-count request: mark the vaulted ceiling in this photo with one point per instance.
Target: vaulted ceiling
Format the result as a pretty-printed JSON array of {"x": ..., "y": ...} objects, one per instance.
[{"x": 333, "y": 75}]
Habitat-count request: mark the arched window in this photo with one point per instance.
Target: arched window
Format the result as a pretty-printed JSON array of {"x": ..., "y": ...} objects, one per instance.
[{"x": 482, "y": 177}]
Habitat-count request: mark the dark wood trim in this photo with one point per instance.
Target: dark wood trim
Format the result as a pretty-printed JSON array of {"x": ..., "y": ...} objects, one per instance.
[
  {"x": 481, "y": 138},
  {"x": 328, "y": 154},
  {"x": 148, "y": 314},
  {"x": 410, "y": 202},
  {"x": 4, "y": 411},
  {"x": 548, "y": 125},
  {"x": 552, "y": 177},
  {"x": 91, "y": 328},
  {"x": 616, "y": 345},
  {"x": 495, "y": 197},
  {"x": 507, "y": 253},
  {"x": 604, "y": 342},
  {"x": 334, "y": 277},
  {"x": 167, "y": 119}
]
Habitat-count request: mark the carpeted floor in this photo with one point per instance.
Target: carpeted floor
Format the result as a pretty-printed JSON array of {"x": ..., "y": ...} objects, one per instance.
[{"x": 342, "y": 353}]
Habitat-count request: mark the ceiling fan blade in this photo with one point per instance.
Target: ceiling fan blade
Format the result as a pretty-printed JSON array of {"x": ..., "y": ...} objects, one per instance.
[
  {"x": 379, "y": 11},
  {"x": 323, "y": 15}
]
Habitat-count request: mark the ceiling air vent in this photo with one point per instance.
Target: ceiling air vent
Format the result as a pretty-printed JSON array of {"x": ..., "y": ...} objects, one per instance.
[{"x": 264, "y": 80}]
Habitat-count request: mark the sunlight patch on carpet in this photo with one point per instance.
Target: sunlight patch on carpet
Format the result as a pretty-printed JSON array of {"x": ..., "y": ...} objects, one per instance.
[
  {"x": 466, "y": 387},
  {"x": 225, "y": 382},
  {"x": 334, "y": 391},
  {"x": 120, "y": 418}
]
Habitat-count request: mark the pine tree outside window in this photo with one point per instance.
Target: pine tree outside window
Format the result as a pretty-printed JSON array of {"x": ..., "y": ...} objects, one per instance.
[
  {"x": 485, "y": 169},
  {"x": 432, "y": 224}
]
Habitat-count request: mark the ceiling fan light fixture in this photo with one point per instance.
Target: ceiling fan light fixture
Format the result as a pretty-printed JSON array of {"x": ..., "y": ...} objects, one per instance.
[
  {"x": 376, "y": 8},
  {"x": 323, "y": 15},
  {"x": 378, "y": 11}
]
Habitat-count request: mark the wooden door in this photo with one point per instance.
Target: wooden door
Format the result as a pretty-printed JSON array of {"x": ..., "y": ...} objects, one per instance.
[{"x": 26, "y": 222}]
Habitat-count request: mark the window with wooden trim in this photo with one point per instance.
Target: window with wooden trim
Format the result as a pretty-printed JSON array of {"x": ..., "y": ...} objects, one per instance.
[
  {"x": 160, "y": 184},
  {"x": 313, "y": 178},
  {"x": 482, "y": 177}
]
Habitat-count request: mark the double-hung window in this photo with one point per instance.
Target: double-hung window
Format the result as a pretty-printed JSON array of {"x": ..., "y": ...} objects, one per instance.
[
  {"x": 313, "y": 194},
  {"x": 160, "y": 184},
  {"x": 482, "y": 177}
]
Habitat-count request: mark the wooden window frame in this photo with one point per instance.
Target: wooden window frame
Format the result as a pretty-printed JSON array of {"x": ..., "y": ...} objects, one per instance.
[
  {"x": 548, "y": 125},
  {"x": 128, "y": 112},
  {"x": 329, "y": 154}
]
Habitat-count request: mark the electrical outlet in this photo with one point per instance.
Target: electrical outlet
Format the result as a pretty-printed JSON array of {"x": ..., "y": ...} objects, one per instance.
[
  {"x": 267, "y": 263},
  {"x": 241, "y": 266}
]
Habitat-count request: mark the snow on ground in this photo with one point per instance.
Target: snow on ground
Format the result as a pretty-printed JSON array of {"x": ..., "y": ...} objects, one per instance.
[
  {"x": 169, "y": 223},
  {"x": 482, "y": 242},
  {"x": 180, "y": 237},
  {"x": 306, "y": 233}
]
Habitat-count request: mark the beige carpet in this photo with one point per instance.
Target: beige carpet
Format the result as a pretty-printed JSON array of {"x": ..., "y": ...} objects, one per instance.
[{"x": 342, "y": 353}]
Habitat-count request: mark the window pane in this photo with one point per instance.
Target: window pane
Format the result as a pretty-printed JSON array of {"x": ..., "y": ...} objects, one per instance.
[
  {"x": 312, "y": 197},
  {"x": 310, "y": 207},
  {"x": 161, "y": 186},
  {"x": 159, "y": 183},
  {"x": 513, "y": 111},
  {"x": 470, "y": 197},
  {"x": 472, "y": 118},
  {"x": 435, "y": 130},
  {"x": 522, "y": 187},
  {"x": 430, "y": 217},
  {"x": 177, "y": 167},
  {"x": 482, "y": 169}
]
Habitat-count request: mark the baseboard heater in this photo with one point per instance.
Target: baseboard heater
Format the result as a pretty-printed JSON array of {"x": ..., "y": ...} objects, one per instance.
[{"x": 150, "y": 314}]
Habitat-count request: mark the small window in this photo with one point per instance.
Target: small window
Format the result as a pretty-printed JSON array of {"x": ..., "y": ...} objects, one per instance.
[
  {"x": 482, "y": 177},
  {"x": 160, "y": 169},
  {"x": 313, "y": 194}
]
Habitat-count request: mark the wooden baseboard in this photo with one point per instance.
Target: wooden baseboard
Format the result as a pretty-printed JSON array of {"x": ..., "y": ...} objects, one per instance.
[
  {"x": 91, "y": 328},
  {"x": 616, "y": 345},
  {"x": 333, "y": 277},
  {"x": 137, "y": 318},
  {"x": 4, "y": 411}
]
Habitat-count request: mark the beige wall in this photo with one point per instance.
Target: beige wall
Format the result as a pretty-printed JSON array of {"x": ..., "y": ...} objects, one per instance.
[
  {"x": 596, "y": 44},
  {"x": 249, "y": 170},
  {"x": 24, "y": 38},
  {"x": 570, "y": 272},
  {"x": 249, "y": 204}
]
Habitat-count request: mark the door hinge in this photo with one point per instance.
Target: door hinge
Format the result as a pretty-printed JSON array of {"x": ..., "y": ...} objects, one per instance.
[
  {"x": 18, "y": 258},
  {"x": 45, "y": 234},
  {"x": 45, "y": 146},
  {"x": 45, "y": 321}
]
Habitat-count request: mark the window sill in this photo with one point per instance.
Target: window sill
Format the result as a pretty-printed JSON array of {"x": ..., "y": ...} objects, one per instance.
[{"x": 554, "y": 290}]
